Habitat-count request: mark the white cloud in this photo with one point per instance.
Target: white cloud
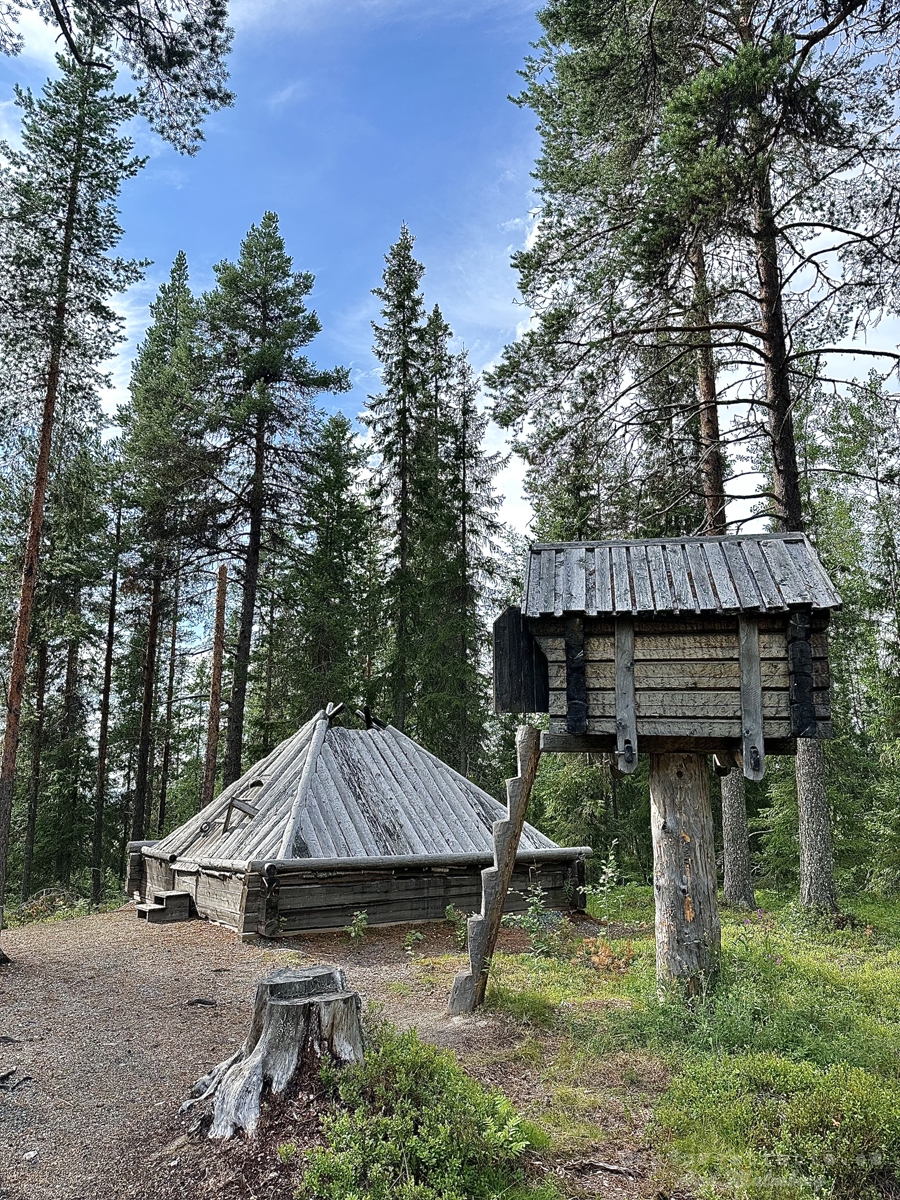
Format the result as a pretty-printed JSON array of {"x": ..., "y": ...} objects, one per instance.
[{"x": 42, "y": 41}]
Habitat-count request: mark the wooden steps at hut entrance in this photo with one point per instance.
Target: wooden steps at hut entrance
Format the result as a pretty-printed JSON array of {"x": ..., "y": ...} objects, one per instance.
[{"x": 166, "y": 907}]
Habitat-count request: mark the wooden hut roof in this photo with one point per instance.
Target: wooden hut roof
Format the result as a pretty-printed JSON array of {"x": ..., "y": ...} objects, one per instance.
[
  {"x": 335, "y": 793},
  {"x": 769, "y": 572}
]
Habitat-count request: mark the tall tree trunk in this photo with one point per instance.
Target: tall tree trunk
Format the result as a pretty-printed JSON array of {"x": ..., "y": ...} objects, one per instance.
[
  {"x": 812, "y": 800},
  {"x": 215, "y": 692},
  {"x": 234, "y": 736},
  {"x": 34, "y": 783},
  {"x": 142, "y": 769},
  {"x": 817, "y": 886},
  {"x": 735, "y": 838},
  {"x": 31, "y": 559},
  {"x": 170, "y": 700},
  {"x": 103, "y": 734},
  {"x": 66, "y": 836}
]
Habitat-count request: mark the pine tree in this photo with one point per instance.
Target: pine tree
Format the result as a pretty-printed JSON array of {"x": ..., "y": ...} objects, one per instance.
[
  {"x": 255, "y": 324},
  {"x": 59, "y": 226}
]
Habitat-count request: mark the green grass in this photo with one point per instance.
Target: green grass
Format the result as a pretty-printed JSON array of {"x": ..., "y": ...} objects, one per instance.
[{"x": 783, "y": 1081}]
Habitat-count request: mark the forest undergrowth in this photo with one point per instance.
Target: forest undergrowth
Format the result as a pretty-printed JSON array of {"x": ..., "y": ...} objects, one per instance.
[{"x": 783, "y": 1081}]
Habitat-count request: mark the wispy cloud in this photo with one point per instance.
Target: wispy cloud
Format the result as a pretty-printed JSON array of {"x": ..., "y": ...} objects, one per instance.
[{"x": 300, "y": 14}]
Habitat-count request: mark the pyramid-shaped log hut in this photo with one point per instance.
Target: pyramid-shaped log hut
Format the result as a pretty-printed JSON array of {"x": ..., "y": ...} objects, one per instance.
[{"x": 338, "y": 820}]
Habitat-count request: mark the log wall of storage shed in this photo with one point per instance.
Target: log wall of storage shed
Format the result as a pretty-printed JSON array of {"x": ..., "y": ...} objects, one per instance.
[{"x": 686, "y": 678}]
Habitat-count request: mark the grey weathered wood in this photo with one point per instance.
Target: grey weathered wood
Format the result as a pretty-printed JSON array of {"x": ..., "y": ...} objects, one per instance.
[
  {"x": 684, "y": 597},
  {"x": 711, "y": 674},
  {"x": 770, "y": 596},
  {"x": 785, "y": 574},
  {"x": 626, "y": 715},
  {"x": 469, "y": 987},
  {"x": 622, "y": 602},
  {"x": 817, "y": 884},
  {"x": 300, "y": 1017},
  {"x": 688, "y": 934},
  {"x": 603, "y": 579},
  {"x": 738, "y": 885},
  {"x": 751, "y": 699},
  {"x": 590, "y": 581},
  {"x": 689, "y": 704},
  {"x": 741, "y": 576},
  {"x": 700, "y": 577},
  {"x": 574, "y": 598},
  {"x": 576, "y": 690},
  {"x": 662, "y": 593},
  {"x": 309, "y": 766},
  {"x": 640, "y": 578},
  {"x": 721, "y": 576}
]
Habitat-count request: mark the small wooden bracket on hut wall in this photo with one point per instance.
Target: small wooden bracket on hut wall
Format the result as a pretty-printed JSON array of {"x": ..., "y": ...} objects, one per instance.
[
  {"x": 800, "y": 674},
  {"x": 751, "y": 698},
  {"x": 626, "y": 713},
  {"x": 576, "y": 682}
]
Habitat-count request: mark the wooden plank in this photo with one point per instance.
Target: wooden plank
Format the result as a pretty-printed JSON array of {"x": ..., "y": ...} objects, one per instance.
[
  {"x": 791, "y": 584},
  {"x": 681, "y": 587},
  {"x": 741, "y": 577},
  {"x": 590, "y": 581},
  {"x": 548, "y": 580},
  {"x": 751, "y": 700},
  {"x": 603, "y": 579},
  {"x": 677, "y": 704},
  {"x": 520, "y": 669},
  {"x": 662, "y": 593},
  {"x": 721, "y": 576},
  {"x": 756, "y": 564},
  {"x": 557, "y": 742},
  {"x": 558, "y": 573},
  {"x": 706, "y": 598},
  {"x": 573, "y": 598},
  {"x": 626, "y": 726},
  {"x": 576, "y": 700},
  {"x": 621, "y": 583},
  {"x": 640, "y": 578},
  {"x": 660, "y": 674}
]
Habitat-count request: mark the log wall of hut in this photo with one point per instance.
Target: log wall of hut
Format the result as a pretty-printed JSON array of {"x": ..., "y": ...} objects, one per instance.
[
  {"x": 689, "y": 667},
  {"x": 299, "y": 897}
]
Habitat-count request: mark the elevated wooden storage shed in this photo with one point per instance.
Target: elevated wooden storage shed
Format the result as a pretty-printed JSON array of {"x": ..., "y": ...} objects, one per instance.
[
  {"x": 338, "y": 820},
  {"x": 707, "y": 645}
]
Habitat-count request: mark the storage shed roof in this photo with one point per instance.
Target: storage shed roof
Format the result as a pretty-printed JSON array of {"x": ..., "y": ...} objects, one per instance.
[
  {"x": 753, "y": 572},
  {"x": 335, "y": 793}
]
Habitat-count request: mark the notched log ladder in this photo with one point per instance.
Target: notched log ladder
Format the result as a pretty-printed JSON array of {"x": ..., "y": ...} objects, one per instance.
[
  {"x": 469, "y": 987},
  {"x": 300, "y": 1017}
]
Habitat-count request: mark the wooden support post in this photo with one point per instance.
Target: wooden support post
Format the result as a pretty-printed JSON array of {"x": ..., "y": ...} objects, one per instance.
[
  {"x": 751, "y": 698},
  {"x": 688, "y": 935},
  {"x": 300, "y": 1017},
  {"x": 800, "y": 675},
  {"x": 215, "y": 692},
  {"x": 576, "y": 686},
  {"x": 626, "y": 713},
  {"x": 469, "y": 987}
]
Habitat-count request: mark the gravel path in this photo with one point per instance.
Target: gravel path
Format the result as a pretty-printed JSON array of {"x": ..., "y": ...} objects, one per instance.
[{"x": 97, "y": 1012}]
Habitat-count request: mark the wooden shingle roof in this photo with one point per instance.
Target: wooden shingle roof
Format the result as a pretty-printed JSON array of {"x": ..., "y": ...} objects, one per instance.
[
  {"x": 336, "y": 793},
  {"x": 768, "y": 572}
]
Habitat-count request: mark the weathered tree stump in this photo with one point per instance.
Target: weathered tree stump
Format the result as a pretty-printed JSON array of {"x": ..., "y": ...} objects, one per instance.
[
  {"x": 300, "y": 1017},
  {"x": 688, "y": 934}
]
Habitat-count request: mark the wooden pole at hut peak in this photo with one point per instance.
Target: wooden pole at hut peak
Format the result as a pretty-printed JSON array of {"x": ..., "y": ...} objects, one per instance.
[
  {"x": 469, "y": 987},
  {"x": 688, "y": 934}
]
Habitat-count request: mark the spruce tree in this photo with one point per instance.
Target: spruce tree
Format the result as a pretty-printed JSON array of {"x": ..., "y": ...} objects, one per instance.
[
  {"x": 259, "y": 387},
  {"x": 59, "y": 227},
  {"x": 392, "y": 416}
]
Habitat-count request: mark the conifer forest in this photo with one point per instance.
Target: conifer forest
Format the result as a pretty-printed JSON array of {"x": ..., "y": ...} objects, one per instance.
[{"x": 704, "y": 344}]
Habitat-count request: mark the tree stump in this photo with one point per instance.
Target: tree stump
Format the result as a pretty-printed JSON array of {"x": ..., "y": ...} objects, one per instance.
[
  {"x": 688, "y": 935},
  {"x": 300, "y": 1017}
]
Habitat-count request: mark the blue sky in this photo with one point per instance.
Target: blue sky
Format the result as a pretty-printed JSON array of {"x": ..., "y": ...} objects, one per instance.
[{"x": 351, "y": 117}]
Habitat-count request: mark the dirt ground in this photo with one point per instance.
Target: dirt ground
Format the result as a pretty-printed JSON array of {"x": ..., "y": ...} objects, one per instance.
[{"x": 101, "y": 1039}]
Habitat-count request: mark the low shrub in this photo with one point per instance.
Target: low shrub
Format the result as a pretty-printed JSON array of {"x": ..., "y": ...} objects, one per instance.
[
  {"x": 767, "y": 1126},
  {"x": 409, "y": 1124}
]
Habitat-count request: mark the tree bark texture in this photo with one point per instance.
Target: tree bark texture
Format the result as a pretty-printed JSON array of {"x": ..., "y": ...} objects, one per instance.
[
  {"x": 300, "y": 1017},
  {"x": 688, "y": 935},
  {"x": 215, "y": 692},
  {"x": 103, "y": 734},
  {"x": 469, "y": 987},
  {"x": 31, "y": 557},
  {"x": 34, "y": 783},
  {"x": 67, "y": 811},
  {"x": 234, "y": 737},
  {"x": 142, "y": 768},
  {"x": 817, "y": 886},
  {"x": 736, "y": 842}
]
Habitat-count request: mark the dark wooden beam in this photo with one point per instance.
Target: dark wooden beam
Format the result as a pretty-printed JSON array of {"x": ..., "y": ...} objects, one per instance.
[
  {"x": 576, "y": 684},
  {"x": 521, "y": 680},
  {"x": 800, "y": 673}
]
